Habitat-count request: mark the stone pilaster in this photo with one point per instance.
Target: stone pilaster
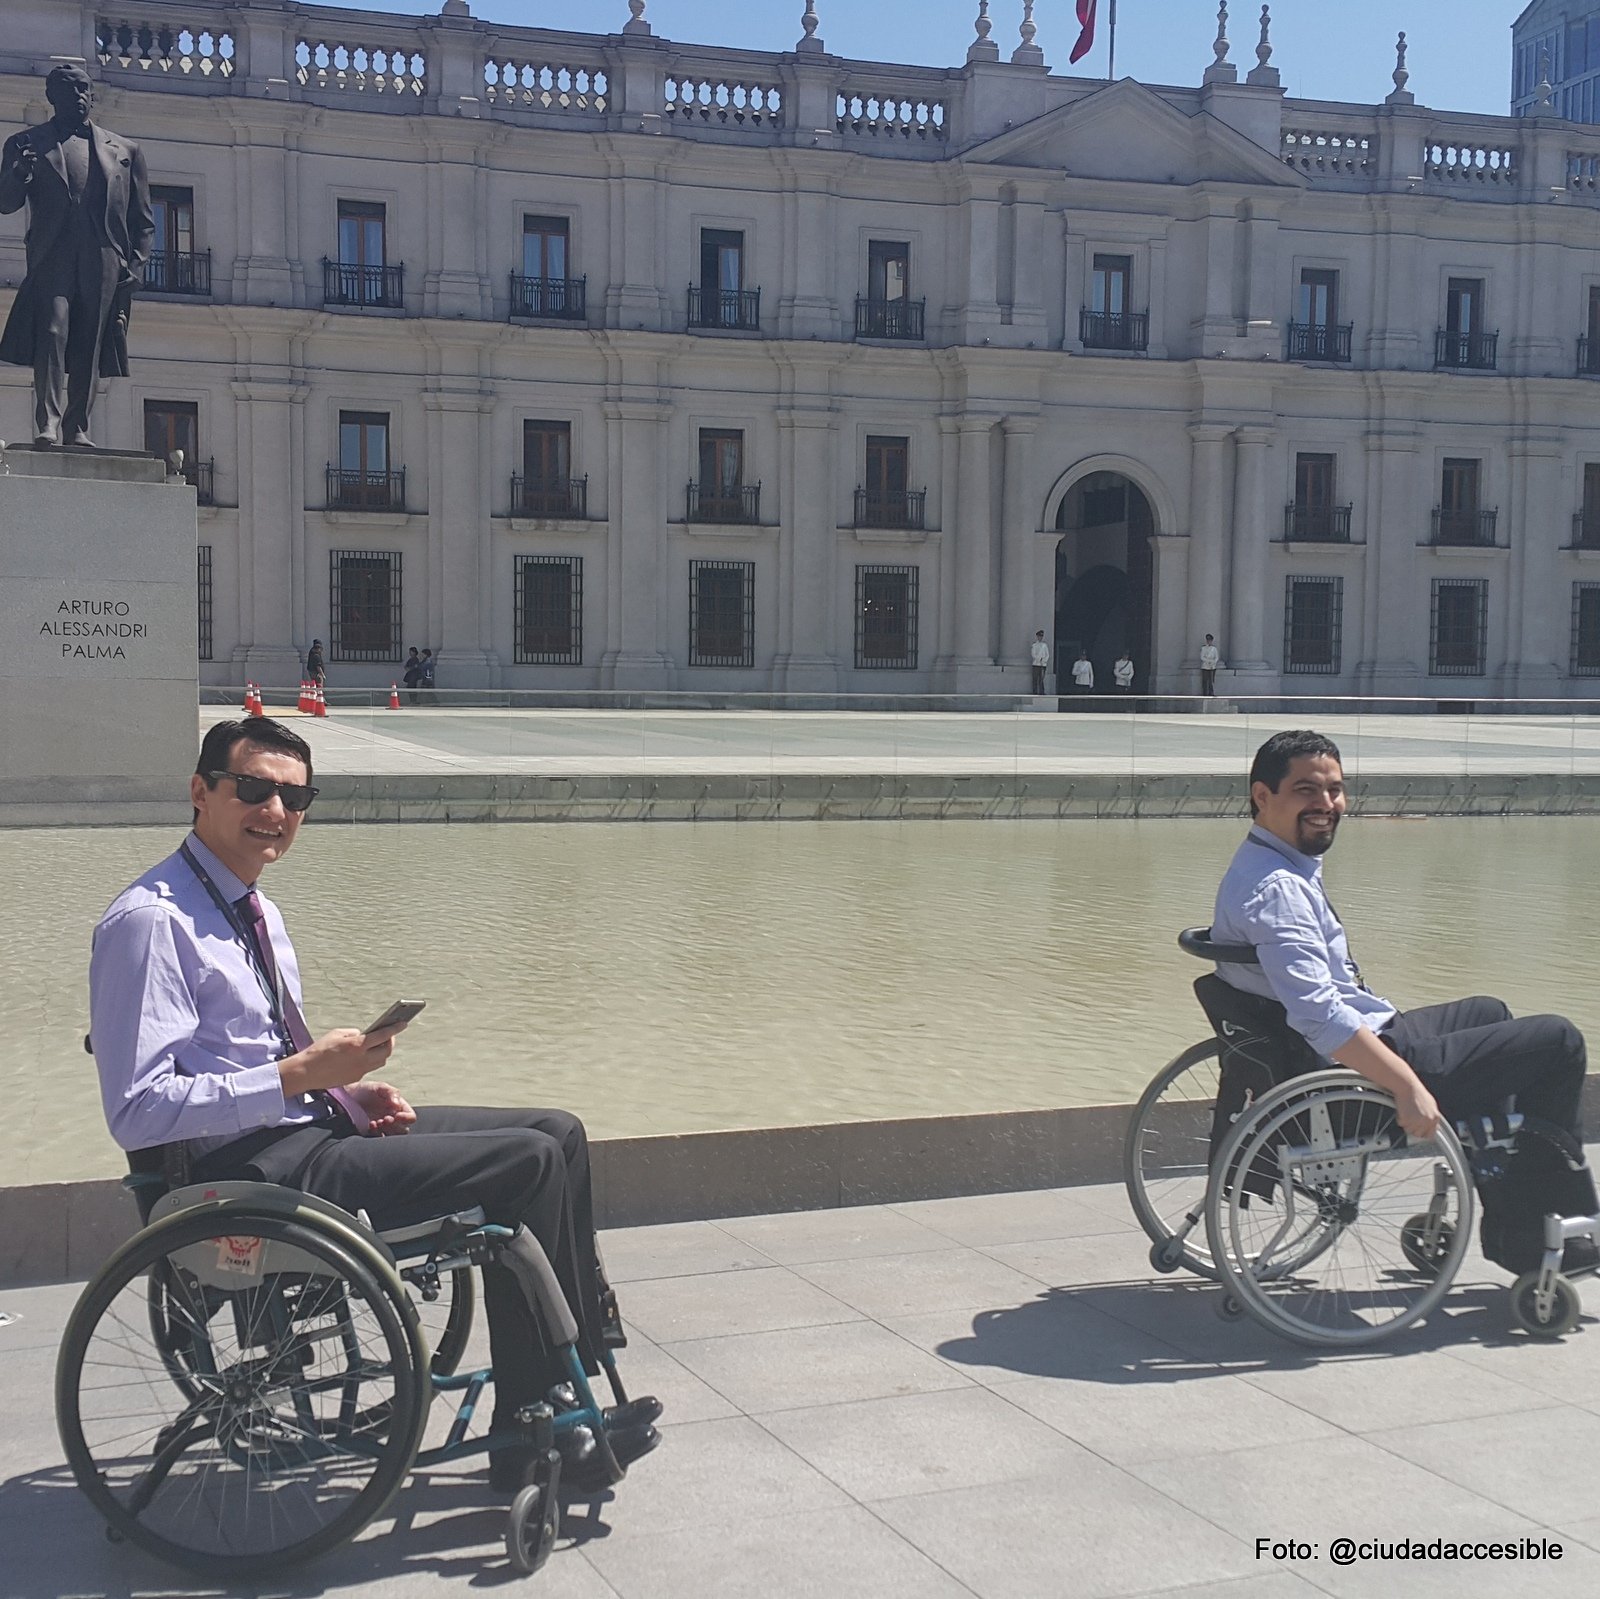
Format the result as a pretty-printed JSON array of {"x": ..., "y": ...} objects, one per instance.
[
  {"x": 1245, "y": 650},
  {"x": 636, "y": 654},
  {"x": 808, "y": 604}
]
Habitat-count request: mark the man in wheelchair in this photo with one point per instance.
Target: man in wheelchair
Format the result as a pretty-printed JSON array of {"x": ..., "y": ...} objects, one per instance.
[
  {"x": 1463, "y": 1061},
  {"x": 204, "y": 1055}
]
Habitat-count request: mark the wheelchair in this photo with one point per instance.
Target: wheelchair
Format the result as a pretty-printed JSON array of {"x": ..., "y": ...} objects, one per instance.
[
  {"x": 246, "y": 1383},
  {"x": 1247, "y": 1161}
]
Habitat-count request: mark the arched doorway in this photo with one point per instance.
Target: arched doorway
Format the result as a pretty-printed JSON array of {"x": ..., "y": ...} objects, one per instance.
[{"x": 1104, "y": 578}]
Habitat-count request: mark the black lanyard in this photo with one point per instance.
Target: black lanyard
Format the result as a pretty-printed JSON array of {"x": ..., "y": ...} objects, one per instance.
[{"x": 271, "y": 986}]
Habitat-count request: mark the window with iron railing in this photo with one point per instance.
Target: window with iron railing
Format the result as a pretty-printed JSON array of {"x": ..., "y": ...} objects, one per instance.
[
  {"x": 565, "y": 299},
  {"x": 364, "y": 605},
  {"x": 1313, "y": 622},
  {"x": 884, "y": 499},
  {"x": 889, "y": 319},
  {"x": 547, "y": 487},
  {"x": 362, "y": 274},
  {"x": 1585, "y": 657},
  {"x": 1464, "y": 341},
  {"x": 175, "y": 266},
  {"x": 1458, "y": 634},
  {"x": 721, "y": 298},
  {"x": 1586, "y": 523},
  {"x": 1312, "y": 515},
  {"x": 203, "y": 589},
  {"x": 722, "y": 613},
  {"x": 1313, "y": 341},
  {"x": 720, "y": 493},
  {"x": 560, "y": 499},
  {"x": 887, "y": 310},
  {"x": 886, "y": 618},
  {"x": 363, "y": 478},
  {"x": 1113, "y": 330},
  {"x": 545, "y": 287},
  {"x": 1460, "y": 518},
  {"x": 549, "y": 610}
]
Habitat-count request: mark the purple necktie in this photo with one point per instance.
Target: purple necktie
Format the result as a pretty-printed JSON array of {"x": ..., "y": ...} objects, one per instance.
[{"x": 255, "y": 921}]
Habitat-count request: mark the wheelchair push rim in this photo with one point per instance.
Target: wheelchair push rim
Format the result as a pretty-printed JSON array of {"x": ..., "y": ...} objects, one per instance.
[
  {"x": 1312, "y": 1200},
  {"x": 302, "y": 1402}
]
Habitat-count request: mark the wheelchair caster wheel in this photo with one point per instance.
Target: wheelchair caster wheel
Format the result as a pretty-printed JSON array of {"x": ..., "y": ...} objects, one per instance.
[
  {"x": 1167, "y": 1256},
  {"x": 1565, "y": 1307},
  {"x": 1422, "y": 1254},
  {"x": 1230, "y": 1307},
  {"x": 531, "y": 1527}
]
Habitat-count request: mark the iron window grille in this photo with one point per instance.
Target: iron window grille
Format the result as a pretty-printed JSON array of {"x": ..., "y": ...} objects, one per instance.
[
  {"x": 890, "y": 508},
  {"x": 724, "y": 308},
  {"x": 733, "y": 502},
  {"x": 1464, "y": 526},
  {"x": 1467, "y": 350},
  {"x": 1320, "y": 341},
  {"x": 1458, "y": 633},
  {"x": 364, "y": 605},
  {"x": 886, "y": 618},
  {"x": 1588, "y": 356},
  {"x": 1313, "y": 624},
  {"x": 1317, "y": 524},
  {"x": 1586, "y": 630},
  {"x": 722, "y": 596},
  {"x": 362, "y": 283},
  {"x": 550, "y": 497},
  {"x": 889, "y": 319},
  {"x": 1114, "y": 330},
  {"x": 353, "y": 488},
  {"x": 203, "y": 588},
  {"x": 566, "y": 298},
  {"x": 549, "y": 610},
  {"x": 178, "y": 272}
]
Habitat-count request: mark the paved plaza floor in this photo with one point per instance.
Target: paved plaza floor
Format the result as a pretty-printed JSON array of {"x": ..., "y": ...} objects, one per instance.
[
  {"x": 988, "y": 1396},
  {"x": 358, "y": 741}
]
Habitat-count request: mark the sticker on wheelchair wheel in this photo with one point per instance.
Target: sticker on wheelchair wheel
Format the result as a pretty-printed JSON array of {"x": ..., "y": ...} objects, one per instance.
[{"x": 240, "y": 1256}]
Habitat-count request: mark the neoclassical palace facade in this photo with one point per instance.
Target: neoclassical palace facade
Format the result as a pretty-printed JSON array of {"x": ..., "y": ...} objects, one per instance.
[{"x": 599, "y": 360}]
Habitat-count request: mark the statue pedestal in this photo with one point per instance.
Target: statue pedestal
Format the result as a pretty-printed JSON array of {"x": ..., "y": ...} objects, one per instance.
[{"x": 98, "y": 638}]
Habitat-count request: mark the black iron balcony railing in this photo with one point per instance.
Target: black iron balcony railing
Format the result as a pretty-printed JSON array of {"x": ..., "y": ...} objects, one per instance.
[
  {"x": 1588, "y": 357},
  {"x": 1475, "y": 351},
  {"x": 201, "y": 478},
  {"x": 889, "y": 319},
  {"x": 1114, "y": 330},
  {"x": 888, "y": 508},
  {"x": 178, "y": 272},
  {"x": 1586, "y": 529},
  {"x": 724, "y": 308},
  {"x": 738, "y": 502},
  {"x": 550, "y": 297},
  {"x": 1319, "y": 341},
  {"x": 550, "y": 497},
  {"x": 351, "y": 489},
  {"x": 1317, "y": 524},
  {"x": 1463, "y": 527},
  {"x": 350, "y": 283}
]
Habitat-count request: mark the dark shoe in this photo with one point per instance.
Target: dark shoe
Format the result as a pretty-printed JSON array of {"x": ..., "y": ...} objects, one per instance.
[
  {"x": 628, "y": 1444},
  {"x": 638, "y": 1412}
]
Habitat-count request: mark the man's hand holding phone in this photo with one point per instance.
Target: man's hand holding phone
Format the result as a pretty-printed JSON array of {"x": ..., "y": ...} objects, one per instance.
[{"x": 346, "y": 1055}]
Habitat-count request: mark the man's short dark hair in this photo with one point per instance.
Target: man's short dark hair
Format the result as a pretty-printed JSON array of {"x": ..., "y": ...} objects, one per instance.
[
  {"x": 216, "y": 748},
  {"x": 1274, "y": 758}
]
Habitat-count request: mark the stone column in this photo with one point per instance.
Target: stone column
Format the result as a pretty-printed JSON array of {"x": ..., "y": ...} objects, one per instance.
[
  {"x": 808, "y": 603},
  {"x": 636, "y": 654},
  {"x": 272, "y": 574},
  {"x": 1244, "y": 650},
  {"x": 1023, "y": 606},
  {"x": 974, "y": 542},
  {"x": 458, "y": 534},
  {"x": 1537, "y": 603},
  {"x": 1208, "y": 552}
]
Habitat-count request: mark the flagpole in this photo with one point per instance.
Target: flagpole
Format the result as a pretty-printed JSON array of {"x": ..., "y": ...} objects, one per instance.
[{"x": 1111, "y": 66}]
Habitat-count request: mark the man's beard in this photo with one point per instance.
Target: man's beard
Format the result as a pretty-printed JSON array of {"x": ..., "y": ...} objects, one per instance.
[{"x": 1317, "y": 843}]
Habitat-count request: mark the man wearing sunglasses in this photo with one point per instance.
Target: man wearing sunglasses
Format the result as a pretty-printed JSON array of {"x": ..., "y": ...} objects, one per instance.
[{"x": 201, "y": 1045}]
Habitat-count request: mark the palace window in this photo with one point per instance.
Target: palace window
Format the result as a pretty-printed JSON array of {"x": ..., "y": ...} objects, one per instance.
[
  {"x": 172, "y": 425},
  {"x": 549, "y": 610},
  {"x": 364, "y": 605},
  {"x": 722, "y": 613},
  {"x": 886, "y": 617},
  {"x": 175, "y": 266},
  {"x": 1458, "y": 640},
  {"x": 203, "y": 588},
  {"x": 1313, "y": 622},
  {"x": 1586, "y": 630}
]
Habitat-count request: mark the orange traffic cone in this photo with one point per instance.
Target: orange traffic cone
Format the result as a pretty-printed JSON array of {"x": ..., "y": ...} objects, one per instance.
[
  {"x": 321, "y": 708},
  {"x": 256, "y": 707},
  {"x": 249, "y": 699},
  {"x": 394, "y": 696},
  {"x": 303, "y": 705}
]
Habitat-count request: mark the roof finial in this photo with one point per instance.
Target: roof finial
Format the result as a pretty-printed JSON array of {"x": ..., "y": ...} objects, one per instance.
[
  {"x": 983, "y": 48},
  {"x": 1544, "y": 94},
  {"x": 810, "y": 43},
  {"x": 636, "y": 23},
  {"x": 1222, "y": 70},
  {"x": 1028, "y": 54},
  {"x": 1400, "y": 95},
  {"x": 1262, "y": 72}
]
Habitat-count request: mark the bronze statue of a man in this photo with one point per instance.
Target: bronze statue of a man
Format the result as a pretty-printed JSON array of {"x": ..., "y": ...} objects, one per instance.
[{"x": 89, "y": 235}]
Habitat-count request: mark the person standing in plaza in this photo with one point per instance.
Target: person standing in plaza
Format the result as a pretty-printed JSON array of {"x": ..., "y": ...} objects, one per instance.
[
  {"x": 1123, "y": 673},
  {"x": 1210, "y": 661},
  {"x": 1083, "y": 673},
  {"x": 427, "y": 668},
  {"x": 1041, "y": 662},
  {"x": 412, "y": 675},
  {"x": 316, "y": 667}
]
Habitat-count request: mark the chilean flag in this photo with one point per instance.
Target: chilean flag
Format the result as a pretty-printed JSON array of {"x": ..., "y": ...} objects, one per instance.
[{"x": 1086, "y": 38}]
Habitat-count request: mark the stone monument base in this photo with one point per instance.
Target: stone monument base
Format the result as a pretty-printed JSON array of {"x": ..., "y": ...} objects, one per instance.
[{"x": 99, "y": 624}]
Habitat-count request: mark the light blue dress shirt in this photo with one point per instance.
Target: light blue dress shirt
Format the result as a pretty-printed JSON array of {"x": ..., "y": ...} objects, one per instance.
[
  {"x": 182, "y": 1030},
  {"x": 1272, "y": 897}
]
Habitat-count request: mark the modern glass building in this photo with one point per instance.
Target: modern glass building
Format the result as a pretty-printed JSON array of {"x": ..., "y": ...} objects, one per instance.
[{"x": 1561, "y": 39}]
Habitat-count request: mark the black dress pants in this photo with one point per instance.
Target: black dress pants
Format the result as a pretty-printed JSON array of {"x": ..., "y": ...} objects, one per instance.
[{"x": 527, "y": 1166}]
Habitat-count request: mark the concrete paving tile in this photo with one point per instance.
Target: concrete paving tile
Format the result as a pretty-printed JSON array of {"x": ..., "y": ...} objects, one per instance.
[
  {"x": 1090, "y": 1531},
  {"x": 1541, "y": 1464},
  {"x": 909, "y": 1285},
  {"x": 707, "y": 1476},
  {"x": 1270, "y": 1585},
  {"x": 838, "y": 1363},
  {"x": 646, "y": 1368},
  {"x": 1045, "y": 1337},
  {"x": 920, "y": 1443},
  {"x": 670, "y": 1309},
  {"x": 40, "y": 1315},
  {"x": 842, "y": 1234},
  {"x": 1197, "y": 1413},
  {"x": 1080, "y": 1263},
  {"x": 980, "y": 1220},
  {"x": 1585, "y": 1532},
  {"x": 843, "y": 1554},
  {"x": 675, "y": 1249},
  {"x": 1566, "y": 1369}
]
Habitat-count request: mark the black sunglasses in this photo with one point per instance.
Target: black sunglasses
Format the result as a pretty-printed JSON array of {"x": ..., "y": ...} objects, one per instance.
[{"x": 258, "y": 790}]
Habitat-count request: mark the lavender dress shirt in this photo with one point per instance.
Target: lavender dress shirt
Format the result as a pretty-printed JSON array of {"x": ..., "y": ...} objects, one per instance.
[{"x": 183, "y": 1034}]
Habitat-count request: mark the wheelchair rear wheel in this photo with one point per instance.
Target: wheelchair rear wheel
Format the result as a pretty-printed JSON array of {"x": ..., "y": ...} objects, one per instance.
[
  {"x": 299, "y": 1403},
  {"x": 1313, "y": 1199}
]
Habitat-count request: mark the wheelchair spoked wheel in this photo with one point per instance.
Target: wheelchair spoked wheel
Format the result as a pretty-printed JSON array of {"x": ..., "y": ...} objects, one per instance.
[
  {"x": 268, "y": 1415},
  {"x": 1165, "y": 1156},
  {"x": 1312, "y": 1205}
]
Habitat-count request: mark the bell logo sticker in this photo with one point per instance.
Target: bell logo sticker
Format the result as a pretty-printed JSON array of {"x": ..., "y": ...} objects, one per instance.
[{"x": 241, "y": 1256}]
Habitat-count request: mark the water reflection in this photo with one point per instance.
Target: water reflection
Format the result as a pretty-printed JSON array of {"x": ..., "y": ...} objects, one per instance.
[{"x": 668, "y": 978}]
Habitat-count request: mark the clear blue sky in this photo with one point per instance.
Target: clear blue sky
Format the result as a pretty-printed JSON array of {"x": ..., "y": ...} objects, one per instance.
[{"x": 1460, "y": 50}]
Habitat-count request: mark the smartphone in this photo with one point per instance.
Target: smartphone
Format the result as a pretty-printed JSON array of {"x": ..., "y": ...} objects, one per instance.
[{"x": 398, "y": 1014}]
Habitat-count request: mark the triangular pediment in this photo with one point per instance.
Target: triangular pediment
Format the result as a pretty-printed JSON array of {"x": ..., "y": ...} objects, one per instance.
[{"x": 1125, "y": 132}]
